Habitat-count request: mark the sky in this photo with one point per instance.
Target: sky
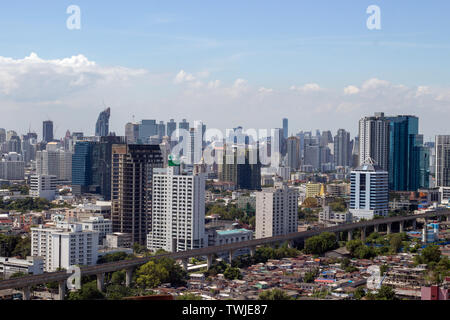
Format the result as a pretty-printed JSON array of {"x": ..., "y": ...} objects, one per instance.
[{"x": 227, "y": 63}]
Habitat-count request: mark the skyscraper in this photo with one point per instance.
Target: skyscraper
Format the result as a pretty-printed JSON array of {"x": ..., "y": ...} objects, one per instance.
[
  {"x": 342, "y": 149},
  {"x": 293, "y": 153},
  {"x": 132, "y": 132},
  {"x": 406, "y": 154},
  {"x": 47, "y": 131},
  {"x": 276, "y": 211},
  {"x": 374, "y": 140},
  {"x": 171, "y": 127},
  {"x": 178, "y": 215},
  {"x": 147, "y": 129},
  {"x": 285, "y": 128},
  {"x": 82, "y": 167},
  {"x": 102, "y": 126},
  {"x": 161, "y": 129},
  {"x": 369, "y": 191},
  {"x": 443, "y": 161},
  {"x": 132, "y": 172},
  {"x": 241, "y": 166}
]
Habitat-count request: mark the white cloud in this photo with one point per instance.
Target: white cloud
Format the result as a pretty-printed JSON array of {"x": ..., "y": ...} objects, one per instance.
[
  {"x": 265, "y": 90},
  {"x": 350, "y": 90},
  {"x": 32, "y": 78},
  {"x": 309, "y": 87},
  {"x": 182, "y": 76}
]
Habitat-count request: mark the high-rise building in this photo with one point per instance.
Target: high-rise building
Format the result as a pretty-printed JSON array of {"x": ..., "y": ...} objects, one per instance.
[
  {"x": 12, "y": 167},
  {"x": 147, "y": 129},
  {"x": 374, "y": 140},
  {"x": 82, "y": 167},
  {"x": 43, "y": 186},
  {"x": 91, "y": 166},
  {"x": 62, "y": 248},
  {"x": 171, "y": 128},
  {"x": 285, "y": 128},
  {"x": 101, "y": 158},
  {"x": 276, "y": 211},
  {"x": 2, "y": 135},
  {"x": 47, "y": 131},
  {"x": 342, "y": 149},
  {"x": 132, "y": 132},
  {"x": 369, "y": 191},
  {"x": 293, "y": 153},
  {"x": 132, "y": 171},
  {"x": 241, "y": 165},
  {"x": 102, "y": 125},
  {"x": 403, "y": 161},
  {"x": 55, "y": 162},
  {"x": 183, "y": 125},
  {"x": 161, "y": 129},
  {"x": 443, "y": 160},
  {"x": 178, "y": 215}
]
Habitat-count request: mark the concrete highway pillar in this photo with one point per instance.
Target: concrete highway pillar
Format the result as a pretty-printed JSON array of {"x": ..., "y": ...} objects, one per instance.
[
  {"x": 185, "y": 264},
  {"x": 363, "y": 234},
  {"x": 209, "y": 260},
  {"x": 291, "y": 244},
  {"x": 338, "y": 236},
  {"x": 230, "y": 257},
  {"x": 389, "y": 228},
  {"x": 101, "y": 282},
  {"x": 402, "y": 226},
  {"x": 350, "y": 235},
  {"x": 252, "y": 251},
  {"x": 61, "y": 290},
  {"x": 128, "y": 277},
  {"x": 26, "y": 293},
  {"x": 376, "y": 228},
  {"x": 414, "y": 226},
  {"x": 448, "y": 218}
]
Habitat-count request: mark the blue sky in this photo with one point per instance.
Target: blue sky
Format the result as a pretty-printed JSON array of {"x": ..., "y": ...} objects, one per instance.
[{"x": 270, "y": 44}]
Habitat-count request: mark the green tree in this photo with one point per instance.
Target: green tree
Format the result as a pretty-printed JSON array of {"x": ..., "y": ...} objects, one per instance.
[
  {"x": 385, "y": 293},
  {"x": 275, "y": 294},
  {"x": 310, "y": 276},
  {"x": 396, "y": 242},
  {"x": 321, "y": 244},
  {"x": 118, "y": 292},
  {"x": 189, "y": 296},
  {"x": 232, "y": 273},
  {"x": 151, "y": 275},
  {"x": 359, "y": 293},
  {"x": 88, "y": 291},
  {"x": 118, "y": 277}
]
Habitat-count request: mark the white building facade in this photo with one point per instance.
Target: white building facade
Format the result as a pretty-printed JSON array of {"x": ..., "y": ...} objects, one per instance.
[
  {"x": 369, "y": 191},
  {"x": 178, "y": 215},
  {"x": 63, "y": 248},
  {"x": 43, "y": 186},
  {"x": 276, "y": 211}
]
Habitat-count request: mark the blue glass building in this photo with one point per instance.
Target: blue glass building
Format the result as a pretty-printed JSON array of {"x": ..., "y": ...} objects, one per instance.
[{"x": 408, "y": 159}]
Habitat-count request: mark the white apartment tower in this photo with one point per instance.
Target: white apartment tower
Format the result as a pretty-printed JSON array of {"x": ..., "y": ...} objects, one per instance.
[
  {"x": 276, "y": 211},
  {"x": 369, "y": 191},
  {"x": 55, "y": 162},
  {"x": 178, "y": 215},
  {"x": 374, "y": 140},
  {"x": 12, "y": 166},
  {"x": 442, "y": 161},
  {"x": 64, "y": 247},
  {"x": 43, "y": 186}
]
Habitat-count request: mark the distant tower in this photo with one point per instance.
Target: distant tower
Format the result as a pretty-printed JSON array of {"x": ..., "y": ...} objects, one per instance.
[
  {"x": 285, "y": 128},
  {"x": 47, "y": 131},
  {"x": 374, "y": 140},
  {"x": 102, "y": 126}
]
